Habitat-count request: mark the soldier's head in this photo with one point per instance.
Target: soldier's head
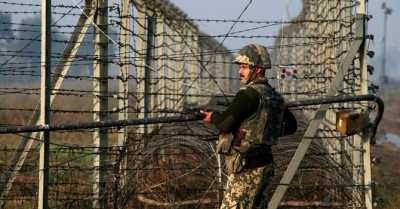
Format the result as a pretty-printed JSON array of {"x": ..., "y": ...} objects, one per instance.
[{"x": 253, "y": 60}]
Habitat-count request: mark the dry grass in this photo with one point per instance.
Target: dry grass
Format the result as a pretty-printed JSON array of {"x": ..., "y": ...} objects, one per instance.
[
  {"x": 386, "y": 176},
  {"x": 387, "y": 171},
  {"x": 17, "y": 109}
]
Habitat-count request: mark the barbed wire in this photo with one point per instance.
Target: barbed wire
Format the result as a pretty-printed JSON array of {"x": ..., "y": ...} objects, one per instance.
[{"x": 165, "y": 151}]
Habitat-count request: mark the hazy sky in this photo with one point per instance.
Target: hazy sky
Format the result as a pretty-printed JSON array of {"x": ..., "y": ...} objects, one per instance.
[
  {"x": 393, "y": 32},
  {"x": 271, "y": 10},
  {"x": 278, "y": 10},
  {"x": 258, "y": 10}
]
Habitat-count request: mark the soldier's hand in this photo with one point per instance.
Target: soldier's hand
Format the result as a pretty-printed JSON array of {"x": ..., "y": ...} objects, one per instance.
[{"x": 208, "y": 116}]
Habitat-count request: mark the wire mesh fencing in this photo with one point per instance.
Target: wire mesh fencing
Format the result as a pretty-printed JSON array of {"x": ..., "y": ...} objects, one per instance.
[{"x": 157, "y": 63}]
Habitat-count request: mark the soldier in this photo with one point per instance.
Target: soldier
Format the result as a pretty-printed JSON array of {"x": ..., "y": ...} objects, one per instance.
[{"x": 248, "y": 128}]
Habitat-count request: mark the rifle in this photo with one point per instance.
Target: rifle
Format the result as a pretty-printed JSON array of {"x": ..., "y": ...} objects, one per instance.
[{"x": 190, "y": 111}]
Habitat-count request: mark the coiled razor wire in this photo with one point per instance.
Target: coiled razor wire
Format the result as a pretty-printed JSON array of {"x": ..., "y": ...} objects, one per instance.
[
  {"x": 320, "y": 180},
  {"x": 173, "y": 170}
]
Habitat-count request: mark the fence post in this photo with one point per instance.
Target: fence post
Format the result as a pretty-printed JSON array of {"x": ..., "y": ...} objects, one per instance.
[
  {"x": 140, "y": 69},
  {"x": 145, "y": 48},
  {"x": 365, "y": 161},
  {"x": 181, "y": 66},
  {"x": 61, "y": 69},
  {"x": 123, "y": 96},
  {"x": 161, "y": 66},
  {"x": 150, "y": 78},
  {"x": 44, "y": 159},
  {"x": 100, "y": 103},
  {"x": 171, "y": 71},
  {"x": 319, "y": 116},
  {"x": 192, "y": 68}
]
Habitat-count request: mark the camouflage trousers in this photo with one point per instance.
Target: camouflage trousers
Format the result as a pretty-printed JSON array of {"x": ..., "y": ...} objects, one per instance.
[{"x": 248, "y": 189}]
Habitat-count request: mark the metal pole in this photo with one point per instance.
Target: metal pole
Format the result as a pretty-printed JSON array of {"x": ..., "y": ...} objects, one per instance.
[
  {"x": 180, "y": 67},
  {"x": 26, "y": 141},
  {"x": 100, "y": 103},
  {"x": 123, "y": 100},
  {"x": 140, "y": 68},
  {"x": 170, "y": 70},
  {"x": 43, "y": 193},
  {"x": 357, "y": 152},
  {"x": 149, "y": 73},
  {"x": 161, "y": 43},
  {"x": 383, "y": 77},
  {"x": 145, "y": 48},
  {"x": 319, "y": 116},
  {"x": 190, "y": 116},
  {"x": 98, "y": 124},
  {"x": 191, "y": 68},
  {"x": 384, "y": 49},
  {"x": 364, "y": 142}
]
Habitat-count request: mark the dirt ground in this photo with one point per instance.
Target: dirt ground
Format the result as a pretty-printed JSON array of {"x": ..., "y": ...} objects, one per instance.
[{"x": 386, "y": 156}]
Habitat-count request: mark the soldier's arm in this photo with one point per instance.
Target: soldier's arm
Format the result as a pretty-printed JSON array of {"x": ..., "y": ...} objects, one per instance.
[{"x": 245, "y": 103}]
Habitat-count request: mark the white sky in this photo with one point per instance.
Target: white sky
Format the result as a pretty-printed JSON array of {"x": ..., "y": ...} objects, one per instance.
[
  {"x": 278, "y": 10},
  {"x": 258, "y": 10},
  {"x": 272, "y": 10}
]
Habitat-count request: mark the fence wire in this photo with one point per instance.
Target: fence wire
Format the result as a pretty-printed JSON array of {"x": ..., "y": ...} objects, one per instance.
[{"x": 171, "y": 65}]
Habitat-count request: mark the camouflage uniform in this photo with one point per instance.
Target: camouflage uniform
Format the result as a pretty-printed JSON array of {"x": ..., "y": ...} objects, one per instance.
[
  {"x": 248, "y": 189},
  {"x": 249, "y": 127}
]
